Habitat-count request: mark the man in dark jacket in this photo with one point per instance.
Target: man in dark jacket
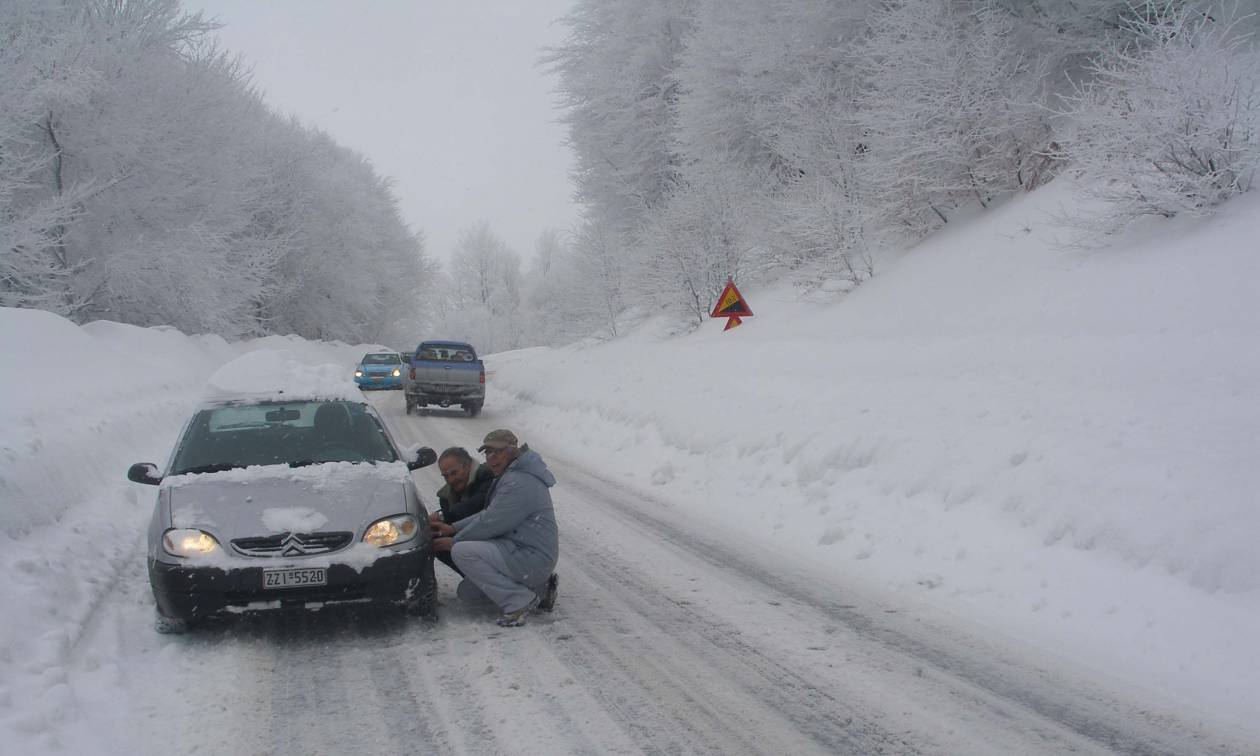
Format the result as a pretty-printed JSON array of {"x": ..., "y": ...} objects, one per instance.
[
  {"x": 464, "y": 494},
  {"x": 508, "y": 551}
]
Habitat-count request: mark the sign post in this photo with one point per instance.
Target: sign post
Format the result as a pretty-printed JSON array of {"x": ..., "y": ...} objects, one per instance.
[{"x": 731, "y": 305}]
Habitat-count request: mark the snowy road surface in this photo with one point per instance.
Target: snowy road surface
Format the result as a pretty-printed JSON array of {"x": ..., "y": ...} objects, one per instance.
[{"x": 667, "y": 638}]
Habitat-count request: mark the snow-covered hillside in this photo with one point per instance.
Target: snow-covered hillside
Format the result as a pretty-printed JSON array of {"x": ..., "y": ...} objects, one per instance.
[
  {"x": 1058, "y": 444},
  {"x": 1054, "y": 445}
]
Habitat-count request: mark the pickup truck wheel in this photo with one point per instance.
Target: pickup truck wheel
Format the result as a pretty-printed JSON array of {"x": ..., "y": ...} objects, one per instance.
[
  {"x": 411, "y": 406},
  {"x": 474, "y": 409}
]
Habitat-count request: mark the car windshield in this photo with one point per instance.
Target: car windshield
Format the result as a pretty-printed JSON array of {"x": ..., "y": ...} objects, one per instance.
[
  {"x": 281, "y": 433},
  {"x": 381, "y": 359}
]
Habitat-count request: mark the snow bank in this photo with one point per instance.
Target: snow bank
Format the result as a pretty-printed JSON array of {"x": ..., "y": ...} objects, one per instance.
[{"x": 1058, "y": 444}]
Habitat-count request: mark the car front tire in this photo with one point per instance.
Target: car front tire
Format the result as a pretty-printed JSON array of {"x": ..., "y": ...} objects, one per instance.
[
  {"x": 170, "y": 625},
  {"x": 424, "y": 604}
]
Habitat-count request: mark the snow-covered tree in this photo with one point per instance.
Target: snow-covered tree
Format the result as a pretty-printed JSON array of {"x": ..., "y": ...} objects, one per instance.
[
  {"x": 599, "y": 284},
  {"x": 1169, "y": 122},
  {"x": 485, "y": 291},
  {"x": 746, "y": 68},
  {"x": 949, "y": 107},
  {"x": 711, "y": 230},
  {"x": 543, "y": 290},
  {"x": 616, "y": 82},
  {"x": 142, "y": 180}
]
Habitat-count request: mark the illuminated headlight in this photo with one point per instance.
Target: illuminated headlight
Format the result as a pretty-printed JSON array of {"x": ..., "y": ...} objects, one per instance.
[
  {"x": 188, "y": 543},
  {"x": 358, "y": 374},
  {"x": 397, "y": 372},
  {"x": 391, "y": 530}
]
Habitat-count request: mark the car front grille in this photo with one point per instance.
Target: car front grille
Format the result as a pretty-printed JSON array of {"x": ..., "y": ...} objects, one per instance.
[{"x": 292, "y": 544}]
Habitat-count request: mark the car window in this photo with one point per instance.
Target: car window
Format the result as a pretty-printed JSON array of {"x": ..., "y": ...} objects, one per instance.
[
  {"x": 276, "y": 433},
  {"x": 380, "y": 359},
  {"x": 447, "y": 354}
]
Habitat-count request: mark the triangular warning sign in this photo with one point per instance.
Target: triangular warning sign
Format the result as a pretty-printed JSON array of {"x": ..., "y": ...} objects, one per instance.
[{"x": 731, "y": 304}]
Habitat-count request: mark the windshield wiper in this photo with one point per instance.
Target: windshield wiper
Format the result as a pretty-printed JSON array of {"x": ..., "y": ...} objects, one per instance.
[
  {"x": 216, "y": 467},
  {"x": 305, "y": 462}
]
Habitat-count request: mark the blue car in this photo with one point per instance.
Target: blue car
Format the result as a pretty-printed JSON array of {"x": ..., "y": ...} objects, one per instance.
[{"x": 379, "y": 370}]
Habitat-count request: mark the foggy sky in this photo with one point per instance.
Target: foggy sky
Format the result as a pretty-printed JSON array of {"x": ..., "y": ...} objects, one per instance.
[{"x": 444, "y": 97}]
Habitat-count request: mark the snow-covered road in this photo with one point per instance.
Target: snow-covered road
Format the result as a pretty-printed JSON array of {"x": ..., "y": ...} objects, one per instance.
[{"x": 669, "y": 637}]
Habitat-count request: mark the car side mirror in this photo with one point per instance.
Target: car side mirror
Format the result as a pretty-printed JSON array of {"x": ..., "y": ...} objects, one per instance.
[
  {"x": 420, "y": 456},
  {"x": 146, "y": 473}
]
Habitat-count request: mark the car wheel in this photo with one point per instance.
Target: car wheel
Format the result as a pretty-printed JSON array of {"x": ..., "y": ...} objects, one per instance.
[
  {"x": 170, "y": 625},
  {"x": 424, "y": 603}
]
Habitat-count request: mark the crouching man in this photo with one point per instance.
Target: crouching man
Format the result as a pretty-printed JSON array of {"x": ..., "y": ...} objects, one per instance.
[
  {"x": 464, "y": 495},
  {"x": 508, "y": 551}
]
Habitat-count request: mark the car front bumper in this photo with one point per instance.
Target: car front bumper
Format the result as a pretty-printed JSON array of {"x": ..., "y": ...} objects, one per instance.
[
  {"x": 189, "y": 592},
  {"x": 379, "y": 382}
]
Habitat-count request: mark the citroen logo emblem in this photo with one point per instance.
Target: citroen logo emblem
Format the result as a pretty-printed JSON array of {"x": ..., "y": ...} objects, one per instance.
[{"x": 292, "y": 546}]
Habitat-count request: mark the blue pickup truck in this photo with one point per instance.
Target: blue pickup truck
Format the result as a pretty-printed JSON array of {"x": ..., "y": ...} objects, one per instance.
[{"x": 445, "y": 373}]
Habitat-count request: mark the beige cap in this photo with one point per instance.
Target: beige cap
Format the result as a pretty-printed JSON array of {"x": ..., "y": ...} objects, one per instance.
[{"x": 498, "y": 439}]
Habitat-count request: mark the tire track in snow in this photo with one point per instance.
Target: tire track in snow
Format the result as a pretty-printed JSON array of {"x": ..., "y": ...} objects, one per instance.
[
  {"x": 751, "y": 703},
  {"x": 404, "y": 696},
  {"x": 1054, "y": 715},
  {"x": 495, "y": 690}
]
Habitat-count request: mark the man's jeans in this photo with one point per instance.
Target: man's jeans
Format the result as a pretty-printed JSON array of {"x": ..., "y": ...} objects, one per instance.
[{"x": 486, "y": 577}]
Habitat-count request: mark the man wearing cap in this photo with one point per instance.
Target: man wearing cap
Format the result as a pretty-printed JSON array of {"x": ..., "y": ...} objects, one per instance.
[{"x": 508, "y": 551}]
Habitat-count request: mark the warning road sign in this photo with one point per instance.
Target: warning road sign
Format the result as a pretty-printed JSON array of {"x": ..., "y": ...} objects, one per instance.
[{"x": 731, "y": 305}]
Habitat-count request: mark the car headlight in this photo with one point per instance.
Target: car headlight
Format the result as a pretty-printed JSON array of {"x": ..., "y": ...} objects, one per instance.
[
  {"x": 391, "y": 530},
  {"x": 358, "y": 374},
  {"x": 188, "y": 543},
  {"x": 397, "y": 373}
]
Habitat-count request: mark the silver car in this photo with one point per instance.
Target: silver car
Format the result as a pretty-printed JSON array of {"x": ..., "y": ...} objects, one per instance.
[{"x": 286, "y": 503}]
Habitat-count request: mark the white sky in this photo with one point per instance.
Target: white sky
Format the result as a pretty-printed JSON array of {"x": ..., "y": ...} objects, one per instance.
[{"x": 445, "y": 97}]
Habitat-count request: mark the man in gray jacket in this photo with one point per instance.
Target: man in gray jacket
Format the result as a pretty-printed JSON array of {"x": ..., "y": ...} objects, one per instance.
[{"x": 508, "y": 551}]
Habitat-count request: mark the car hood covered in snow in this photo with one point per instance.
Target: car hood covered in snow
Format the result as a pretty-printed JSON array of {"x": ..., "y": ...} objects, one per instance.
[{"x": 259, "y": 501}]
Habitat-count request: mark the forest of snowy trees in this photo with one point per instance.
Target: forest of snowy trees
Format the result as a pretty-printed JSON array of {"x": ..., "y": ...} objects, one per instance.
[
  {"x": 143, "y": 180},
  {"x": 772, "y": 138}
]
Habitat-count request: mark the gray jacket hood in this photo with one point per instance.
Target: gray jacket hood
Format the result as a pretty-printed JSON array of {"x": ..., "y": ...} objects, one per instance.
[{"x": 531, "y": 463}]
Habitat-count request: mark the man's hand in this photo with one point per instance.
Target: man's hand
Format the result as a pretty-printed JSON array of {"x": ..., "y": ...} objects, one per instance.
[
  {"x": 443, "y": 544},
  {"x": 441, "y": 529},
  {"x": 435, "y": 517}
]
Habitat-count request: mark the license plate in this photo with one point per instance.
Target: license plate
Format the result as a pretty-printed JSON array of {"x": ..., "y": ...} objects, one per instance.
[{"x": 295, "y": 578}]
